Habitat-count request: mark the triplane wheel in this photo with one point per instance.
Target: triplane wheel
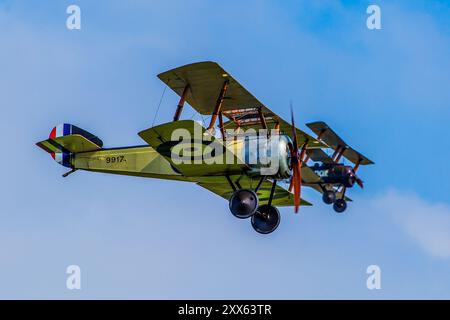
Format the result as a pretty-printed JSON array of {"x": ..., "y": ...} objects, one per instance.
[
  {"x": 340, "y": 205},
  {"x": 266, "y": 219},
  {"x": 243, "y": 203},
  {"x": 329, "y": 197}
]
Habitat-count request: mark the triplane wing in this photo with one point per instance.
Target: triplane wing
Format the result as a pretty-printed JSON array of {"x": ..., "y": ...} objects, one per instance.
[
  {"x": 318, "y": 155},
  {"x": 326, "y": 134}
]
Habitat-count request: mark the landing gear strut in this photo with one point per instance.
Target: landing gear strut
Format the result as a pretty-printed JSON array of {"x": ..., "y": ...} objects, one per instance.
[{"x": 340, "y": 204}]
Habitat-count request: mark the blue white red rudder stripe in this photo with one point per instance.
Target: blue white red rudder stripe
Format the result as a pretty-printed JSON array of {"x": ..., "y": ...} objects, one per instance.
[
  {"x": 62, "y": 157},
  {"x": 57, "y": 151}
]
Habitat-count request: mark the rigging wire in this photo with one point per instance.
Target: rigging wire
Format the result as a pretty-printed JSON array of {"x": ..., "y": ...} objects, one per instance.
[
  {"x": 159, "y": 105},
  {"x": 193, "y": 115}
]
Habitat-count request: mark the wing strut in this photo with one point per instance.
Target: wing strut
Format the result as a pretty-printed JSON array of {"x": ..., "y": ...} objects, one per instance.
[
  {"x": 262, "y": 118},
  {"x": 356, "y": 167},
  {"x": 222, "y": 129},
  {"x": 177, "y": 115},
  {"x": 319, "y": 138},
  {"x": 277, "y": 127},
  {"x": 218, "y": 106},
  {"x": 338, "y": 153}
]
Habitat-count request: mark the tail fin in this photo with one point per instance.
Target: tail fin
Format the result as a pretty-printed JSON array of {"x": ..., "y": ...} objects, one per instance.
[{"x": 66, "y": 140}]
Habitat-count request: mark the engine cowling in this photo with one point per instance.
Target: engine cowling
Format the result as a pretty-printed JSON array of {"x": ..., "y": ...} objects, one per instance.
[
  {"x": 268, "y": 156},
  {"x": 336, "y": 174}
]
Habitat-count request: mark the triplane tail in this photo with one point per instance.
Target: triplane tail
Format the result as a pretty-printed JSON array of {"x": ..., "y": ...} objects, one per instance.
[{"x": 66, "y": 139}]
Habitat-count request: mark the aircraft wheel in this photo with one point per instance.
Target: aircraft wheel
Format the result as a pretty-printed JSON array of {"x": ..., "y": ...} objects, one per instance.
[
  {"x": 266, "y": 219},
  {"x": 243, "y": 203},
  {"x": 329, "y": 196},
  {"x": 340, "y": 205}
]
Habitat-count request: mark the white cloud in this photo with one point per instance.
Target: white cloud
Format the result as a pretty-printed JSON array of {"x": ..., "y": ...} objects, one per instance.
[{"x": 428, "y": 224}]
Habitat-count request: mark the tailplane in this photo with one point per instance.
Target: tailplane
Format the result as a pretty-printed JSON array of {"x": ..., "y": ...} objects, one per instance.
[{"x": 66, "y": 140}]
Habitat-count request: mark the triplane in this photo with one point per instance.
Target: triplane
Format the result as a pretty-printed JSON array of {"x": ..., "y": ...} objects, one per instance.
[{"x": 245, "y": 179}]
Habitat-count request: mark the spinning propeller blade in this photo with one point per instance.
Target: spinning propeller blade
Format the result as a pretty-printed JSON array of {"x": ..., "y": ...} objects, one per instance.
[
  {"x": 357, "y": 179},
  {"x": 359, "y": 182},
  {"x": 296, "y": 164}
]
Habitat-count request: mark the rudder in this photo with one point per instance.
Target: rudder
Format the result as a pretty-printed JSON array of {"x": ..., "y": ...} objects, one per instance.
[{"x": 67, "y": 139}]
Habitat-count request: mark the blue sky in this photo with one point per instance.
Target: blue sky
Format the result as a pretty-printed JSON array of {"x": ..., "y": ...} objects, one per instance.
[{"x": 385, "y": 91}]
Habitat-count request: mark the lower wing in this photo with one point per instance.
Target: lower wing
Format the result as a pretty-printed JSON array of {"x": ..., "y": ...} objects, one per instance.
[{"x": 220, "y": 186}]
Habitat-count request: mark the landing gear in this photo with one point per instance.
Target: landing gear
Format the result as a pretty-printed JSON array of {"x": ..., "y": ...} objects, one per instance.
[
  {"x": 266, "y": 219},
  {"x": 243, "y": 203},
  {"x": 340, "y": 205},
  {"x": 329, "y": 196}
]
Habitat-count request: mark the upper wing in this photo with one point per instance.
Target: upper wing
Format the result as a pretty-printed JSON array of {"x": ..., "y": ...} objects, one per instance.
[
  {"x": 334, "y": 141},
  {"x": 205, "y": 80},
  {"x": 220, "y": 186}
]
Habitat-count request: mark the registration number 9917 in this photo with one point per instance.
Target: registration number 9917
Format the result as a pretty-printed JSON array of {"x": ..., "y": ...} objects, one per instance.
[{"x": 115, "y": 159}]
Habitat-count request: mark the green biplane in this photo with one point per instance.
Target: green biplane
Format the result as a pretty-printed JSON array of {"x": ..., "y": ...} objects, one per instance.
[{"x": 243, "y": 161}]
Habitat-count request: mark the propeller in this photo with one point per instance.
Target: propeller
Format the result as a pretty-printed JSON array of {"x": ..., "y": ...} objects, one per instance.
[
  {"x": 296, "y": 165},
  {"x": 357, "y": 179}
]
